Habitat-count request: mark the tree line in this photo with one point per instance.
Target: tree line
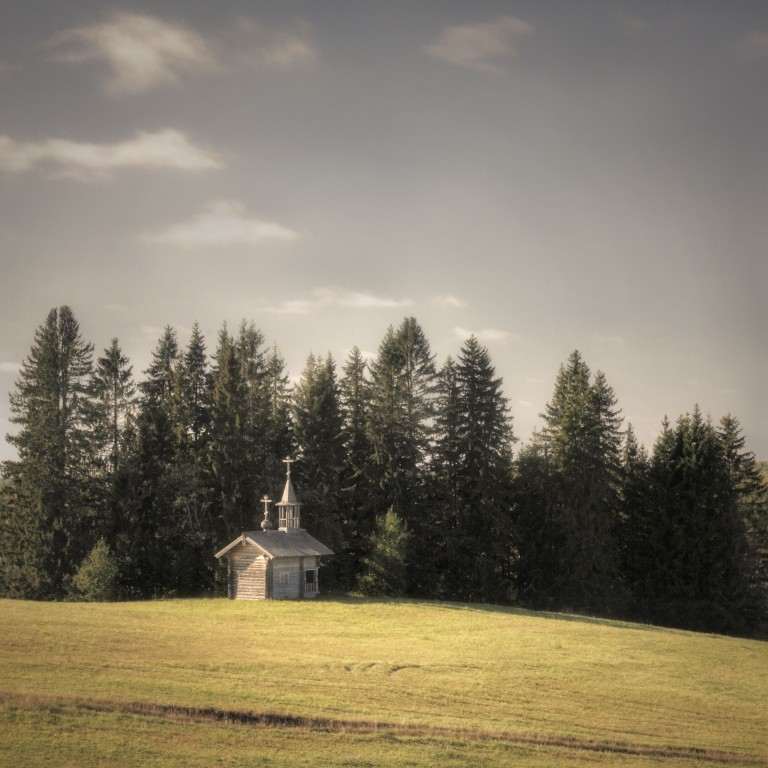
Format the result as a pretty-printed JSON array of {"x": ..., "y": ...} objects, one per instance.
[{"x": 405, "y": 469}]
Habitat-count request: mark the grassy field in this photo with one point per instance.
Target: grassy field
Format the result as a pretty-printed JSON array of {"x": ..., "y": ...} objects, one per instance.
[{"x": 354, "y": 682}]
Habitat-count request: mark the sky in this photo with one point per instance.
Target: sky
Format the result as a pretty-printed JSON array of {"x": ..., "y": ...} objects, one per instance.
[{"x": 549, "y": 176}]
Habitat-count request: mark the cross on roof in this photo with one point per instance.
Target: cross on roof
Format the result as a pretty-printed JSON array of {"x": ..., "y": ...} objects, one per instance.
[
  {"x": 288, "y": 461},
  {"x": 266, "y": 502}
]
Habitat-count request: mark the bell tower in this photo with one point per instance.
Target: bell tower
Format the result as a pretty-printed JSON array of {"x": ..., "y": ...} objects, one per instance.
[{"x": 289, "y": 507}]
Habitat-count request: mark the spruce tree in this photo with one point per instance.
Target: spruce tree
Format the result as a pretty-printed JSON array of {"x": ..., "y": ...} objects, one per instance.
[
  {"x": 485, "y": 471},
  {"x": 115, "y": 403},
  {"x": 474, "y": 460},
  {"x": 745, "y": 504},
  {"x": 700, "y": 561},
  {"x": 357, "y": 495},
  {"x": 384, "y": 571},
  {"x": 228, "y": 447},
  {"x": 582, "y": 437},
  {"x": 538, "y": 534},
  {"x": 49, "y": 518},
  {"x": 115, "y": 393},
  {"x": 148, "y": 533},
  {"x": 189, "y": 565},
  {"x": 400, "y": 416},
  {"x": 193, "y": 395},
  {"x": 634, "y": 523},
  {"x": 317, "y": 424},
  {"x": 401, "y": 432}
]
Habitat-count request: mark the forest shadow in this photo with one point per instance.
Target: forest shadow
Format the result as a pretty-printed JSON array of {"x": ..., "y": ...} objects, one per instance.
[{"x": 569, "y": 616}]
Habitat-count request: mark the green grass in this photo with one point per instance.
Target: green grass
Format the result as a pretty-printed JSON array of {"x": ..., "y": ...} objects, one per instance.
[{"x": 355, "y": 682}]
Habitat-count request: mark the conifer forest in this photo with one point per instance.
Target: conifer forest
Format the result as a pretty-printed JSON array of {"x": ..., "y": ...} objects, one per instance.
[{"x": 126, "y": 484}]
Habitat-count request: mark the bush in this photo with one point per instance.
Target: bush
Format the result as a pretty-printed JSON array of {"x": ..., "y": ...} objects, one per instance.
[
  {"x": 96, "y": 578},
  {"x": 384, "y": 569}
]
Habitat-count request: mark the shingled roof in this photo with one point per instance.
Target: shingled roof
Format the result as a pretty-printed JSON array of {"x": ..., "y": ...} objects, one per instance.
[{"x": 297, "y": 543}]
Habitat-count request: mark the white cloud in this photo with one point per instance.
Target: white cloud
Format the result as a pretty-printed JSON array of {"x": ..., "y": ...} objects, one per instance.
[
  {"x": 448, "y": 300},
  {"x": 754, "y": 45},
  {"x": 164, "y": 149},
  {"x": 322, "y": 298},
  {"x": 366, "y": 354},
  {"x": 141, "y": 52},
  {"x": 10, "y": 367},
  {"x": 221, "y": 223},
  {"x": 484, "y": 46},
  {"x": 486, "y": 334}
]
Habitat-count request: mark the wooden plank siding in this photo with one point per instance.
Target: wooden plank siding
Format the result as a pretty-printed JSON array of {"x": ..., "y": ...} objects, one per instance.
[
  {"x": 248, "y": 574},
  {"x": 254, "y": 576},
  {"x": 286, "y": 578}
]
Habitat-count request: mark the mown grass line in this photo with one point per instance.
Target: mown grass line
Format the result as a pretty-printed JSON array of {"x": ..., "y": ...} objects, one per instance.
[{"x": 329, "y": 725}]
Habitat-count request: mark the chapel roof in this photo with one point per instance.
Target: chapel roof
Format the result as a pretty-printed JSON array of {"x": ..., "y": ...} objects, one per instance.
[{"x": 277, "y": 544}]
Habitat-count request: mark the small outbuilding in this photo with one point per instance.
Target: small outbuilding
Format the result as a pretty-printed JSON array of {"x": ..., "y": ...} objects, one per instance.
[{"x": 274, "y": 565}]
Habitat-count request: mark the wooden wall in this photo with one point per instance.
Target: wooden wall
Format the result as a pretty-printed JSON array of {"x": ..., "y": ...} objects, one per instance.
[
  {"x": 248, "y": 574},
  {"x": 253, "y": 576},
  {"x": 288, "y": 586}
]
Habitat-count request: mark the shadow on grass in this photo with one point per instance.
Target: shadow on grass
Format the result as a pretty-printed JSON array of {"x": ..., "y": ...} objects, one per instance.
[{"x": 354, "y": 599}]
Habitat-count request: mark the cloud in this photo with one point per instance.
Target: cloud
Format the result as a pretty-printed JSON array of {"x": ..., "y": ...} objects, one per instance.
[
  {"x": 221, "y": 223},
  {"x": 10, "y": 367},
  {"x": 366, "y": 354},
  {"x": 484, "y": 46},
  {"x": 448, "y": 300},
  {"x": 140, "y": 52},
  {"x": 322, "y": 298},
  {"x": 487, "y": 334},
  {"x": 252, "y": 45},
  {"x": 754, "y": 45},
  {"x": 165, "y": 149}
]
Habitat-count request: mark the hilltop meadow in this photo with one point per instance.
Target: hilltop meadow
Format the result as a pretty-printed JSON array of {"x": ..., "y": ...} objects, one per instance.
[{"x": 361, "y": 682}]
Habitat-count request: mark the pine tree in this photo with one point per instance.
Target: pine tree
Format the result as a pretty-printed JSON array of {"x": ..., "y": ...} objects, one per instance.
[
  {"x": 696, "y": 548},
  {"x": 485, "y": 471},
  {"x": 401, "y": 432},
  {"x": 582, "y": 438},
  {"x": 745, "y": 504},
  {"x": 115, "y": 392},
  {"x": 114, "y": 429},
  {"x": 446, "y": 520},
  {"x": 316, "y": 418},
  {"x": 385, "y": 567},
  {"x": 278, "y": 439},
  {"x": 49, "y": 518},
  {"x": 147, "y": 534},
  {"x": 400, "y": 416},
  {"x": 250, "y": 428},
  {"x": 228, "y": 449},
  {"x": 634, "y": 525},
  {"x": 189, "y": 565},
  {"x": 357, "y": 493},
  {"x": 538, "y": 534},
  {"x": 193, "y": 396},
  {"x": 474, "y": 460}
]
